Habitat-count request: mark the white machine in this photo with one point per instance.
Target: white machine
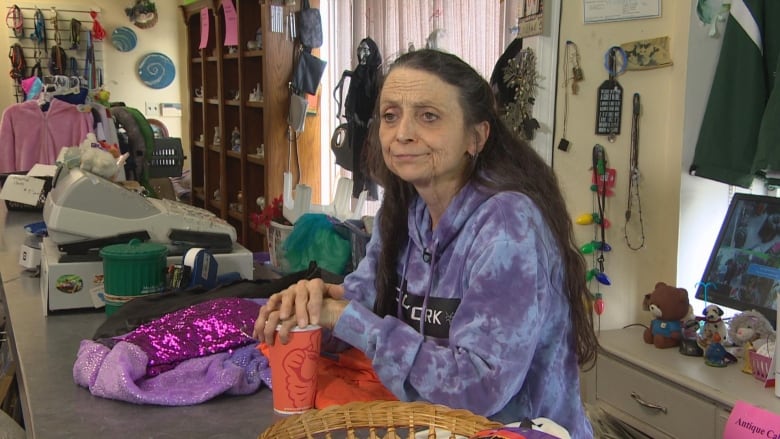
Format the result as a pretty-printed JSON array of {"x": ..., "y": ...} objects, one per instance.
[{"x": 82, "y": 206}]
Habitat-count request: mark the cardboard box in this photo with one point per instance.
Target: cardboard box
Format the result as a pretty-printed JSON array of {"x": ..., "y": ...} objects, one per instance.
[
  {"x": 79, "y": 285},
  {"x": 27, "y": 191}
]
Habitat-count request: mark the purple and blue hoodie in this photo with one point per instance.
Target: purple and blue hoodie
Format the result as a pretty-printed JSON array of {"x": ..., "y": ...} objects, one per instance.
[{"x": 482, "y": 322}]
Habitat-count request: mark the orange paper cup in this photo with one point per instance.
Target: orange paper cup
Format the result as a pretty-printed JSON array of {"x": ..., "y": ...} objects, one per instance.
[{"x": 294, "y": 370}]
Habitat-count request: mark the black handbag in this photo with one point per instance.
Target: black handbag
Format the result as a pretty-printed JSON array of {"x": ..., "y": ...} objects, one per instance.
[
  {"x": 307, "y": 74},
  {"x": 310, "y": 26}
]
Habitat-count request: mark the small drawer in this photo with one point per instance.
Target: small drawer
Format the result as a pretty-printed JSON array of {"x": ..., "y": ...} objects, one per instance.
[{"x": 653, "y": 401}]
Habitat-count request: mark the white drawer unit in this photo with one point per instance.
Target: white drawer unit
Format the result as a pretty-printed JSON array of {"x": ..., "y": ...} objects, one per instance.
[
  {"x": 653, "y": 402},
  {"x": 665, "y": 394}
]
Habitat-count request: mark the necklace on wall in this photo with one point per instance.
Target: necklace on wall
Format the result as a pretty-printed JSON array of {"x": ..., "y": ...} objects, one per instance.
[
  {"x": 572, "y": 72},
  {"x": 634, "y": 201}
]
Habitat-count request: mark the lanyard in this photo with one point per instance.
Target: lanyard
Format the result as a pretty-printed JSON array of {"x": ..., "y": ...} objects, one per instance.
[{"x": 16, "y": 19}]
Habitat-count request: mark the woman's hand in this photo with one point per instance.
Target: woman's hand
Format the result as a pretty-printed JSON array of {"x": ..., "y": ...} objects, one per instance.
[{"x": 307, "y": 302}]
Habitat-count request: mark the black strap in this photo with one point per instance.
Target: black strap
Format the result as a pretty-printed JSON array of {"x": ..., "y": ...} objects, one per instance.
[
  {"x": 16, "y": 55},
  {"x": 338, "y": 93},
  {"x": 305, "y": 5}
]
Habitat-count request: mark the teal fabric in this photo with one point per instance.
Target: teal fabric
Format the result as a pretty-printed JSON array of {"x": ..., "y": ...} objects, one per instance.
[{"x": 314, "y": 238}]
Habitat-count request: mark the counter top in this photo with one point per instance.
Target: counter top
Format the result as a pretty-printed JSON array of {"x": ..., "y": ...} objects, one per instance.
[{"x": 45, "y": 349}]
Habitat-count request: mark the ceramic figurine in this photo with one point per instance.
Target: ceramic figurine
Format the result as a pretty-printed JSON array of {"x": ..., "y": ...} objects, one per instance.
[
  {"x": 235, "y": 140},
  {"x": 256, "y": 95},
  {"x": 216, "y": 140}
]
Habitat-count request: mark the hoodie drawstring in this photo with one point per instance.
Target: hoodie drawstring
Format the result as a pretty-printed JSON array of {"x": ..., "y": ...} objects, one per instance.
[{"x": 428, "y": 291}]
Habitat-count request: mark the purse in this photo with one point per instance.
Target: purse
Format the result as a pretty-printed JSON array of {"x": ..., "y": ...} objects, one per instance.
[
  {"x": 341, "y": 147},
  {"x": 310, "y": 28},
  {"x": 296, "y": 117},
  {"x": 308, "y": 73}
]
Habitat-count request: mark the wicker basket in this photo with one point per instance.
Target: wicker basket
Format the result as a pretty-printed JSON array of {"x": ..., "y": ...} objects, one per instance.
[
  {"x": 760, "y": 364},
  {"x": 379, "y": 419}
]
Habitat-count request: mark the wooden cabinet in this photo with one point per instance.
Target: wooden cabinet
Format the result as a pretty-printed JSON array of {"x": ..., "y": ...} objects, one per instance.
[{"x": 221, "y": 80}]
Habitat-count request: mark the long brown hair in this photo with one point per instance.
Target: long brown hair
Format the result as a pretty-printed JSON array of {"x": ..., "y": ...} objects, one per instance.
[{"x": 506, "y": 163}]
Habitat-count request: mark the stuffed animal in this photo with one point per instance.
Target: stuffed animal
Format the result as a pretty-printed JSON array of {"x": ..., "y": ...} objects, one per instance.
[
  {"x": 713, "y": 324},
  {"x": 748, "y": 331},
  {"x": 669, "y": 305}
]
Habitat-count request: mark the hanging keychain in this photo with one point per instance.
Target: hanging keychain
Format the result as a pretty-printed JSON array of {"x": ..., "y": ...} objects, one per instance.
[
  {"x": 573, "y": 75},
  {"x": 609, "y": 106}
]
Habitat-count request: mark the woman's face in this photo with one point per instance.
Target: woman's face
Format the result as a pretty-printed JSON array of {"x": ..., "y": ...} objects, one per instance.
[{"x": 423, "y": 136}]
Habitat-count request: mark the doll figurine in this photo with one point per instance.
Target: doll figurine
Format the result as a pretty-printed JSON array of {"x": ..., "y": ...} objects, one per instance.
[
  {"x": 235, "y": 140},
  {"x": 216, "y": 140}
]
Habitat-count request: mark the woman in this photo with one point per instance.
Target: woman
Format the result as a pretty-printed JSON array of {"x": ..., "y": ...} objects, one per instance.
[{"x": 472, "y": 293}]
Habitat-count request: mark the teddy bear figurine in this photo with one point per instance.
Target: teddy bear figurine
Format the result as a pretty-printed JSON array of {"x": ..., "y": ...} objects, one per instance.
[{"x": 669, "y": 305}]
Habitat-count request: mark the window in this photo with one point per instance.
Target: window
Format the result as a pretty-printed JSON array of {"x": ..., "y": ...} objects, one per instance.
[{"x": 475, "y": 30}]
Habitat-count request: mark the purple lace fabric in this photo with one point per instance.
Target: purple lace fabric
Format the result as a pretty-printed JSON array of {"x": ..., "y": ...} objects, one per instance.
[
  {"x": 183, "y": 358},
  {"x": 120, "y": 373},
  {"x": 203, "y": 329}
]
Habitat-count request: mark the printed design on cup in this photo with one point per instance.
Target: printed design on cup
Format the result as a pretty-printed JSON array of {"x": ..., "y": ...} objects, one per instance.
[{"x": 300, "y": 379}]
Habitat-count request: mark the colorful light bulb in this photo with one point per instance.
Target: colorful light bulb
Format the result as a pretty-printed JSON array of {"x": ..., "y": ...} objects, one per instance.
[
  {"x": 588, "y": 248},
  {"x": 585, "y": 219},
  {"x": 598, "y": 305},
  {"x": 602, "y": 278}
]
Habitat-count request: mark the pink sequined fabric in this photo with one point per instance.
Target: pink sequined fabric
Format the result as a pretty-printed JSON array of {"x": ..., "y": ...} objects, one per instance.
[{"x": 206, "y": 328}]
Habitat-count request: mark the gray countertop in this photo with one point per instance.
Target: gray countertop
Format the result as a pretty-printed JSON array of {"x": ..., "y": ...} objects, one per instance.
[{"x": 55, "y": 407}]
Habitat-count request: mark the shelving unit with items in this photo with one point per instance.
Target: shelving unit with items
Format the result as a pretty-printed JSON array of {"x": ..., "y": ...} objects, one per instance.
[{"x": 239, "y": 89}]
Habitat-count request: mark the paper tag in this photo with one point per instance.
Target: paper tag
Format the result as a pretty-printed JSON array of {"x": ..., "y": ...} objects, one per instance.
[
  {"x": 748, "y": 421},
  {"x": 39, "y": 170},
  {"x": 22, "y": 189},
  {"x": 204, "y": 28}
]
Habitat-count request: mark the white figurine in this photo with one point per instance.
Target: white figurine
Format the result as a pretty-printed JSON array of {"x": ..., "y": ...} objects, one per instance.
[
  {"x": 256, "y": 95},
  {"x": 217, "y": 140}
]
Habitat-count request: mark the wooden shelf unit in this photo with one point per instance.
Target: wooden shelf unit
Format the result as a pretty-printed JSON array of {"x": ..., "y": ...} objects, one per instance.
[{"x": 224, "y": 81}]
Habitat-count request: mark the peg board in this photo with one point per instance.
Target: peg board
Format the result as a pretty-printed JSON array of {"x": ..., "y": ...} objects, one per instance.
[{"x": 65, "y": 12}]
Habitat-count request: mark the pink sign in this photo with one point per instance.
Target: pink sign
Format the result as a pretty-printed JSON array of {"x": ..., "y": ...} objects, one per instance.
[
  {"x": 204, "y": 28},
  {"x": 231, "y": 23},
  {"x": 748, "y": 421}
]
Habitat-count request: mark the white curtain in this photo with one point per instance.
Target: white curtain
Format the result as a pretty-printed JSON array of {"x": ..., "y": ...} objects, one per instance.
[{"x": 475, "y": 30}]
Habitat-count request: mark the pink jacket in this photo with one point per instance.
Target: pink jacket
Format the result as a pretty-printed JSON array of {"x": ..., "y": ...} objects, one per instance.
[{"x": 29, "y": 135}]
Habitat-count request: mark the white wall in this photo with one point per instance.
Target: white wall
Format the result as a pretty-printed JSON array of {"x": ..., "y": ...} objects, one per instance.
[
  {"x": 120, "y": 72},
  {"x": 633, "y": 273}
]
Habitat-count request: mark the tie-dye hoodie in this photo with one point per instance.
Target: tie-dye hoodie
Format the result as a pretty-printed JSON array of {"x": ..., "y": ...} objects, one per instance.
[{"x": 497, "y": 338}]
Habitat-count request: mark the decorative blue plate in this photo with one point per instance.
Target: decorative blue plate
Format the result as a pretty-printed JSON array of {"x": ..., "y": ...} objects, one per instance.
[
  {"x": 156, "y": 70},
  {"x": 123, "y": 38}
]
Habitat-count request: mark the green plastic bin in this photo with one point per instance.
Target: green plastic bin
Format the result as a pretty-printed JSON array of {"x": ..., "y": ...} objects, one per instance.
[{"x": 131, "y": 270}]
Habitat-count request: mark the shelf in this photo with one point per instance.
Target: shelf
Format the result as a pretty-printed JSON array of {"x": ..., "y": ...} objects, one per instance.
[
  {"x": 219, "y": 76},
  {"x": 251, "y": 158}
]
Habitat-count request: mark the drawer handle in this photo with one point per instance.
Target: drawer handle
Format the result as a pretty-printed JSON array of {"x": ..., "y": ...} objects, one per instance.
[{"x": 649, "y": 405}]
